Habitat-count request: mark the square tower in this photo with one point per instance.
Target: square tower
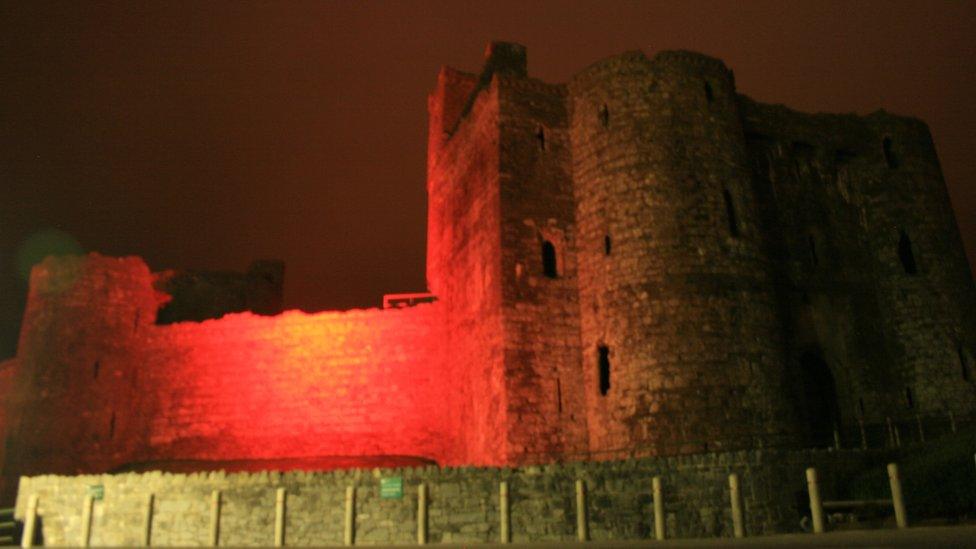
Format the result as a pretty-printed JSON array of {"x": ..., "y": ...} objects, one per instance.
[{"x": 501, "y": 257}]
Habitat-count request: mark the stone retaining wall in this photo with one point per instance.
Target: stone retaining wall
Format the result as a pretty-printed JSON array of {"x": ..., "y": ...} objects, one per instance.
[{"x": 463, "y": 503}]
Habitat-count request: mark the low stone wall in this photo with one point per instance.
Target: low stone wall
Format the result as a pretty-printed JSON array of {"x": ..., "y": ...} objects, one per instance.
[{"x": 463, "y": 503}]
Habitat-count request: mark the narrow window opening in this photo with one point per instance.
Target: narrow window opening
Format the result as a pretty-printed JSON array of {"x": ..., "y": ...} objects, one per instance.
[
  {"x": 541, "y": 137},
  {"x": 549, "y": 259},
  {"x": 559, "y": 397},
  {"x": 604, "y": 116},
  {"x": 709, "y": 94},
  {"x": 111, "y": 426},
  {"x": 860, "y": 406},
  {"x": 730, "y": 213},
  {"x": 95, "y": 369},
  {"x": 906, "y": 254},
  {"x": 909, "y": 399},
  {"x": 606, "y": 244},
  {"x": 814, "y": 260},
  {"x": 963, "y": 363},
  {"x": 604, "y": 362},
  {"x": 890, "y": 157}
]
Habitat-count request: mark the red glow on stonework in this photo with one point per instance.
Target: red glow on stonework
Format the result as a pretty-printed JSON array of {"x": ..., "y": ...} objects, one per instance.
[
  {"x": 334, "y": 383},
  {"x": 328, "y": 389}
]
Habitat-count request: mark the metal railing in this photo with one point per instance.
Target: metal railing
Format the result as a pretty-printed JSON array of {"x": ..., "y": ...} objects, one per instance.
[
  {"x": 890, "y": 433},
  {"x": 818, "y": 505},
  {"x": 900, "y": 431}
]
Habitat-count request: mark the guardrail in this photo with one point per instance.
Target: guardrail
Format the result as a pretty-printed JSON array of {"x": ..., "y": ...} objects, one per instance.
[
  {"x": 888, "y": 433},
  {"x": 818, "y": 505}
]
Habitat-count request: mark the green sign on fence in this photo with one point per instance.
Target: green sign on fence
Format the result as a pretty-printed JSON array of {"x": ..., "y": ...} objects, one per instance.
[
  {"x": 96, "y": 491},
  {"x": 391, "y": 487}
]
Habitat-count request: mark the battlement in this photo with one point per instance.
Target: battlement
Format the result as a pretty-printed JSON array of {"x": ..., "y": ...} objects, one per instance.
[
  {"x": 504, "y": 58},
  {"x": 685, "y": 58},
  {"x": 200, "y": 295}
]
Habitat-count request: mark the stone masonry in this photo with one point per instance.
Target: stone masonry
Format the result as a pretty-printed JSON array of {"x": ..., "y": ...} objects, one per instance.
[
  {"x": 462, "y": 506},
  {"x": 639, "y": 262}
]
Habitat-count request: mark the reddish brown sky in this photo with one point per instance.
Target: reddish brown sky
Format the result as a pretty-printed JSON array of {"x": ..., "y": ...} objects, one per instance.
[{"x": 203, "y": 135}]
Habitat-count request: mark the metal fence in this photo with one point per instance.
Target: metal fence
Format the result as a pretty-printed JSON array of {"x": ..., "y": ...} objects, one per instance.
[{"x": 891, "y": 432}]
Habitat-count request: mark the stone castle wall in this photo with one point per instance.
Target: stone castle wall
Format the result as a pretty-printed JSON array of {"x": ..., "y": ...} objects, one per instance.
[
  {"x": 463, "y": 504},
  {"x": 840, "y": 194},
  {"x": 115, "y": 388},
  {"x": 462, "y": 261},
  {"x": 675, "y": 286},
  {"x": 640, "y": 261},
  {"x": 540, "y": 307}
]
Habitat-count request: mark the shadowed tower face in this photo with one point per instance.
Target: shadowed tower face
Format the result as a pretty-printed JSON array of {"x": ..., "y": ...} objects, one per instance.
[{"x": 674, "y": 280}]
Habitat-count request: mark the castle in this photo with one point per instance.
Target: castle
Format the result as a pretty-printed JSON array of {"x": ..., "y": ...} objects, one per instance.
[{"x": 638, "y": 262}]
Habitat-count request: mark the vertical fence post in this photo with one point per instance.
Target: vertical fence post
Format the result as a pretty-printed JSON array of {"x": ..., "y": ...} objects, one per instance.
[
  {"x": 30, "y": 522},
  {"x": 214, "y": 518},
  {"x": 422, "y": 514},
  {"x": 279, "y": 531},
  {"x": 348, "y": 532},
  {"x": 897, "y": 498},
  {"x": 86, "y": 520},
  {"x": 582, "y": 528},
  {"x": 952, "y": 422},
  {"x": 658, "y": 508},
  {"x": 836, "y": 437},
  {"x": 921, "y": 433},
  {"x": 735, "y": 494},
  {"x": 864, "y": 435},
  {"x": 147, "y": 521},
  {"x": 816, "y": 504},
  {"x": 506, "y": 533}
]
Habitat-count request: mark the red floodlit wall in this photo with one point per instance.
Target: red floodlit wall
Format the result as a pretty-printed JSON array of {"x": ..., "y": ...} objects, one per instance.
[
  {"x": 363, "y": 382},
  {"x": 464, "y": 258},
  {"x": 109, "y": 388}
]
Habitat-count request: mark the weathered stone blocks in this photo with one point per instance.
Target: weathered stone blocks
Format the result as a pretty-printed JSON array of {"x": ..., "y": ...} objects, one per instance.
[
  {"x": 639, "y": 262},
  {"x": 462, "y": 505}
]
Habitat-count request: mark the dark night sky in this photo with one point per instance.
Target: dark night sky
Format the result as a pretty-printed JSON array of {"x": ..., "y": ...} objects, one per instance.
[{"x": 205, "y": 135}]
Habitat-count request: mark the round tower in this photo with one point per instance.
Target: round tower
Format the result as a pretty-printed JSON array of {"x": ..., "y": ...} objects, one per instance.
[
  {"x": 681, "y": 337},
  {"x": 76, "y": 404}
]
